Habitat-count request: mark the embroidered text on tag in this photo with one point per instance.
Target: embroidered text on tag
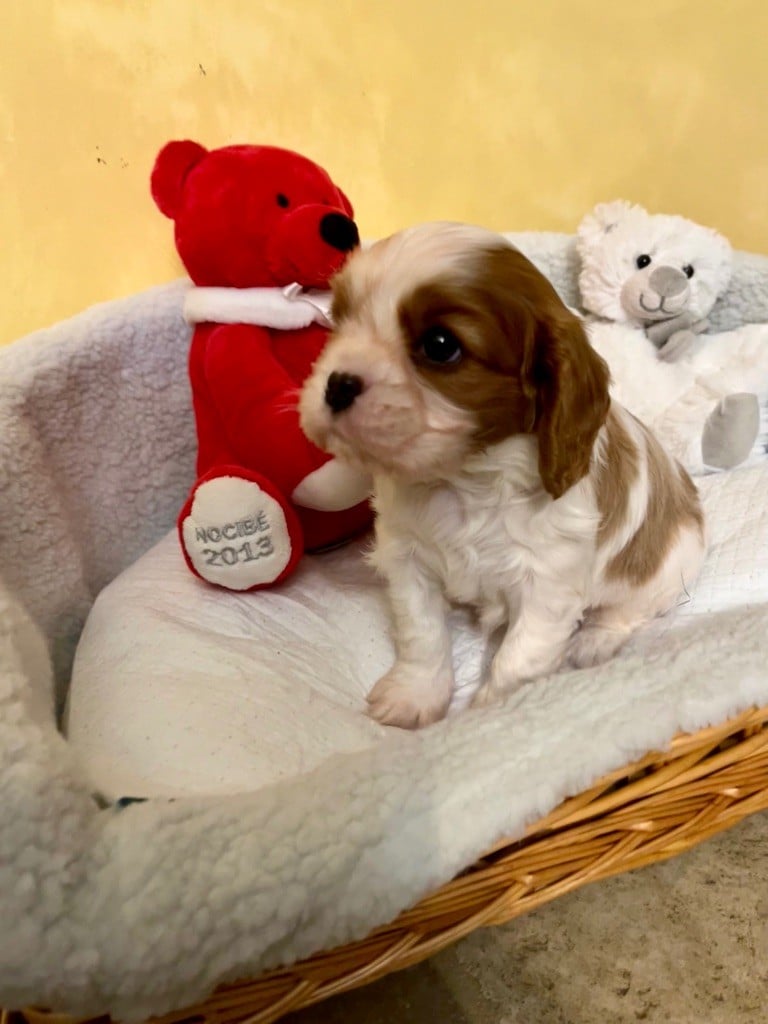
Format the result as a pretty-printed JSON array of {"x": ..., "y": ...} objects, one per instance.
[{"x": 249, "y": 551}]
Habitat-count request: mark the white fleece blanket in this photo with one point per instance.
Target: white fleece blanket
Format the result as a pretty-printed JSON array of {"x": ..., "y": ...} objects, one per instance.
[
  {"x": 180, "y": 689},
  {"x": 139, "y": 909}
]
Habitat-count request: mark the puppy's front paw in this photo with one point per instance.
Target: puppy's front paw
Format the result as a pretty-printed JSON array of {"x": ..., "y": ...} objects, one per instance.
[
  {"x": 591, "y": 646},
  {"x": 487, "y": 694},
  {"x": 410, "y": 698}
]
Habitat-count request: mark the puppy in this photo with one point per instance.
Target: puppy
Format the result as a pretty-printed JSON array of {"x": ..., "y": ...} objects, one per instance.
[{"x": 504, "y": 477}]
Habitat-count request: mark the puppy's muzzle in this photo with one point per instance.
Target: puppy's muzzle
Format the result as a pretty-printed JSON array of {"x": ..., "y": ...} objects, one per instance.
[{"x": 341, "y": 390}]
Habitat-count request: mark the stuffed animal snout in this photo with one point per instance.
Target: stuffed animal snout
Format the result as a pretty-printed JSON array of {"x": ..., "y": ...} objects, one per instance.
[
  {"x": 311, "y": 243},
  {"x": 655, "y": 292}
]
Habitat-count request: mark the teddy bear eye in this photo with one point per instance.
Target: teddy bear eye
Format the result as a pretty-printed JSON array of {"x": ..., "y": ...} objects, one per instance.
[
  {"x": 282, "y": 199},
  {"x": 688, "y": 270},
  {"x": 642, "y": 261}
]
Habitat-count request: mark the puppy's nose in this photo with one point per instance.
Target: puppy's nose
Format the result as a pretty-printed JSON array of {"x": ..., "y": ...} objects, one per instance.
[
  {"x": 341, "y": 390},
  {"x": 339, "y": 231}
]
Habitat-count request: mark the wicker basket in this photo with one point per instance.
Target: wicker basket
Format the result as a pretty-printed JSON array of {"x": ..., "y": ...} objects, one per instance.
[{"x": 646, "y": 812}]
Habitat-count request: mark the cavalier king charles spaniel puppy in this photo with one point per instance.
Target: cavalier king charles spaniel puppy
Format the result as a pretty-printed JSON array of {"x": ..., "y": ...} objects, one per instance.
[{"x": 505, "y": 478}]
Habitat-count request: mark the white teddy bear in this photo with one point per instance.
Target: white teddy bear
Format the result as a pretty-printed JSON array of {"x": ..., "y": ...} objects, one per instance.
[{"x": 650, "y": 282}]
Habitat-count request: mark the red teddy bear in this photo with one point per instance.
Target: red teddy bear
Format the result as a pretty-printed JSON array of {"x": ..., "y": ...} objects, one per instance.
[{"x": 261, "y": 231}]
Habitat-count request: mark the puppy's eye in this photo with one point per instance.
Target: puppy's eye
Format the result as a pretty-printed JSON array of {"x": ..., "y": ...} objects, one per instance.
[
  {"x": 688, "y": 270},
  {"x": 440, "y": 346},
  {"x": 642, "y": 261},
  {"x": 283, "y": 200}
]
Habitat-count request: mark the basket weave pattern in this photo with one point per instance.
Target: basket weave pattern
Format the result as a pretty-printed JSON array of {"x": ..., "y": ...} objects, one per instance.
[{"x": 646, "y": 812}]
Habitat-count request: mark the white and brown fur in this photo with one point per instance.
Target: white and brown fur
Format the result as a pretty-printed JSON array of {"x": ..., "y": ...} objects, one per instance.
[{"x": 506, "y": 480}]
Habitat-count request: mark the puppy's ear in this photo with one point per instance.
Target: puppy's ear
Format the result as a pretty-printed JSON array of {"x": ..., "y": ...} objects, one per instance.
[{"x": 571, "y": 383}]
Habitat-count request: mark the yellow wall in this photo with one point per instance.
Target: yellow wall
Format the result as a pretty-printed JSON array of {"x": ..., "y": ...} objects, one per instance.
[{"x": 514, "y": 113}]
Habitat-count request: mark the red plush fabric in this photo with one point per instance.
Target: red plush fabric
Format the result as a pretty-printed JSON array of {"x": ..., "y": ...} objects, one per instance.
[{"x": 257, "y": 216}]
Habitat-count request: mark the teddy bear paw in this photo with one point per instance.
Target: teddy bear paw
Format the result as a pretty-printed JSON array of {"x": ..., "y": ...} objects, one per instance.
[
  {"x": 333, "y": 487},
  {"x": 678, "y": 345},
  {"x": 730, "y": 431},
  {"x": 239, "y": 533}
]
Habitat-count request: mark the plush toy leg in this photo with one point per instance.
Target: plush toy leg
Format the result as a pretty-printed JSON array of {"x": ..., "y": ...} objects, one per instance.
[
  {"x": 730, "y": 431},
  {"x": 237, "y": 530}
]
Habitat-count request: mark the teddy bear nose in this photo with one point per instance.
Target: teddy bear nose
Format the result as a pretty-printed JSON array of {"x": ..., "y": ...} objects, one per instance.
[
  {"x": 341, "y": 390},
  {"x": 668, "y": 281},
  {"x": 339, "y": 231}
]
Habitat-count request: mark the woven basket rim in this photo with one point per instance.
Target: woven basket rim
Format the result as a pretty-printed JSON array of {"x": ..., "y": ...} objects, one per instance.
[{"x": 654, "y": 808}]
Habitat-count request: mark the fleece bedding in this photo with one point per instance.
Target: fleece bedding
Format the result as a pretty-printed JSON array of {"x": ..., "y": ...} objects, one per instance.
[{"x": 252, "y": 859}]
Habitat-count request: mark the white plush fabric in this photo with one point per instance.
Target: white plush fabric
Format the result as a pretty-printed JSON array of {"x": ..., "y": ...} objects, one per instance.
[
  {"x": 612, "y": 236},
  {"x": 226, "y": 693},
  {"x": 676, "y": 399},
  {"x": 676, "y": 395},
  {"x": 138, "y": 910}
]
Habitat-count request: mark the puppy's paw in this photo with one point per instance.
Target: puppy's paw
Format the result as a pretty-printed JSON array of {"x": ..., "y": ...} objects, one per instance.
[
  {"x": 410, "y": 698},
  {"x": 592, "y": 645},
  {"x": 488, "y": 694}
]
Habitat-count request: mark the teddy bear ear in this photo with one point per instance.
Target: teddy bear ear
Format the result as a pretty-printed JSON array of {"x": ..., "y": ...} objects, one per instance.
[
  {"x": 721, "y": 257},
  {"x": 602, "y": 220},
  {"x": 172, "y": 164}
]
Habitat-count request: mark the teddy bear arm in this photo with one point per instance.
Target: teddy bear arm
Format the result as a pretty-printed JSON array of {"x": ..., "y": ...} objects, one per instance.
[
  {"x": 242, "y": 373},
  {"x": 663, "y": 330},
  {"x": 256, "y": 400},
  {"x": 659, "y": 333},
  {"x": 679, "y": 346}
]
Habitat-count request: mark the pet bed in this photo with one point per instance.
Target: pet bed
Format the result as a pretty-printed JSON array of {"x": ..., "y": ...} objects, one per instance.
[{"x": 139, "y": 908}]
